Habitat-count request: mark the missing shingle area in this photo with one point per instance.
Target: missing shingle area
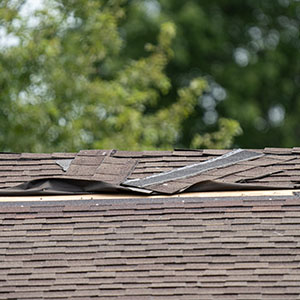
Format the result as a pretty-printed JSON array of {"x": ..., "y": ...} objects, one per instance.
[
  {"x": 64, "y": 163},
  {"x": 225, "y": 160}
]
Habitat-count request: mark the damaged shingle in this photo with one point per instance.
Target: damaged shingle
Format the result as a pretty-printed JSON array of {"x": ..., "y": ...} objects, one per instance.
[
  {"x": 225, "y": 160},
  {"x": 260, "y": 168}
]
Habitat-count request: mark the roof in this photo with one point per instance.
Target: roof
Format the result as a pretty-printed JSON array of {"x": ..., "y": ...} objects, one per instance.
[
  {"x": 170, "y": 244},
  {"x": 151, "y": 248},
  {"x": 268, "y": 168}
]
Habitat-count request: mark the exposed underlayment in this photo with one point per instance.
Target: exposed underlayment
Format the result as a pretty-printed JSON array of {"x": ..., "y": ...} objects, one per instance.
[{"x": 200, "y": 170}]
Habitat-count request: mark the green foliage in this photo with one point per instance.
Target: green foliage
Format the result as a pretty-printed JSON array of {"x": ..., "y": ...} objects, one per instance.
[
  {"x": 67, "y": 83},
  {"x": 220, "y": 139},
  {"x": 249, "y": 49}
]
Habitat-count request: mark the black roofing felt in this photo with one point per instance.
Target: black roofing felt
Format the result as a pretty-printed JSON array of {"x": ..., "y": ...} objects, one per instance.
[{"x": 164, "y": 172}]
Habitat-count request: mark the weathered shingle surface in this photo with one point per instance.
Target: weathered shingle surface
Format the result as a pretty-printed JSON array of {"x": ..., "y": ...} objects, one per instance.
[
  {"x": 162, "y": 248},
  {"x": 276, "y": 168}
]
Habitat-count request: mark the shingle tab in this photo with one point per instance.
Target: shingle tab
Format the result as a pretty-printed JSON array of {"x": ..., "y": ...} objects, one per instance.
[{"x": 279, "y": 151}]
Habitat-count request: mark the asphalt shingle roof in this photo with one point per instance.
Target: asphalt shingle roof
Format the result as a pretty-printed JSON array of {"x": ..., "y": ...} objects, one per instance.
[
  {"x": 275, "y": 168},
  {"x": 162, "y": 248},
  {"x": 188, "y": 246}
]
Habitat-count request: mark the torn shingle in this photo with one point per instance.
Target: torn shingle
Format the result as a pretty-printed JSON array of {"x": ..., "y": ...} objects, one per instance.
[{"x": 277, "y": 168}]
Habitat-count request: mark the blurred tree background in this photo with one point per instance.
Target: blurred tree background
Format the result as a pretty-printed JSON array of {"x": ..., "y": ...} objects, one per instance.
[{"x": 149, "y": 74}]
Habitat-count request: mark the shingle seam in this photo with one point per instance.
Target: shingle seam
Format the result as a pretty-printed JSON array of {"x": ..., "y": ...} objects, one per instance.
[{"x": 227, "y": 159}]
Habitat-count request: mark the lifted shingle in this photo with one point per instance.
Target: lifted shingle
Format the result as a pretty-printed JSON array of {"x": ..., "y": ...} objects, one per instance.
[{"x": 228, "y": 159}]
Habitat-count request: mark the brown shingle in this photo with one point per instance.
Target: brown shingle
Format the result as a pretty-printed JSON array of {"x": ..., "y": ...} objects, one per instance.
[
  {"x": 63, "y": 155},
  {"x": 187, "y": 153},
  {"x": 9, "y": 156},
  {"x": 81, "y": 170},
  {"x": 88, "y": 160},
  {"x": 36, "y": 156},
  {"x": 279, "y": 151},
  {"x": 192, "y": 255},
  {"x": 215, "y": 152},
  {"x": 146, "y": 248},
  {"x": 128, "y": 154}
]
